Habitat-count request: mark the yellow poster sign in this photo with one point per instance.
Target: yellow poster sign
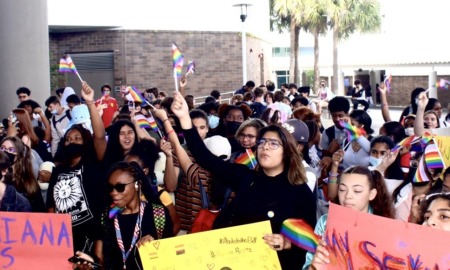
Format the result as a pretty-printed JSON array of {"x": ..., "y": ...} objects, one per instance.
[
  {"x": 234, "y": 248},
  {"x": 443, "y": 143}
]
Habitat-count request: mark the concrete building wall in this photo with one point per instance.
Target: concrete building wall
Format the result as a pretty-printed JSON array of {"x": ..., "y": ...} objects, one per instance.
[
  {"x": 24, "y": 51},
  {"x": 143, "y": 58}
]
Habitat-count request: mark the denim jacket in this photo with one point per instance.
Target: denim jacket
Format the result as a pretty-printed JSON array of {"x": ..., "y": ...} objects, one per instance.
[{"x": 14, "y": 202}]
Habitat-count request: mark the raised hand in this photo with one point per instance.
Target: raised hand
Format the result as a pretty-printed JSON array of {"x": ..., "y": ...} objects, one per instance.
[
  {"x": 87, "y": 93},
  {"x": 321, "y": 257},
  {"x": 179, "y": 106}
]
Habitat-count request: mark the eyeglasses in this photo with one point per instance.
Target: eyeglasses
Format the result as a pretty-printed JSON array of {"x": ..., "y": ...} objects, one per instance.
[
  {"x": 119, "y": 187},
  {"x": 11, "y": 150},
  {"x": 247, "y": 136},
  {"x": 273, "y": 144},
  {"x": 436, "y": 194}
]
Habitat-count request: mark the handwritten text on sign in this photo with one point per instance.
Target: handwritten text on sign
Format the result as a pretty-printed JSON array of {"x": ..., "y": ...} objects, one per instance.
[
  {"x": 35, "y": 240},
  {"x": 359, "y": 240},
  {"x": 240, "y": 247}
]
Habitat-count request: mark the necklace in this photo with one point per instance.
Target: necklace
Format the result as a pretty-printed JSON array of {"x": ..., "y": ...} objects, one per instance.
[{"x": 135, "y": 234}]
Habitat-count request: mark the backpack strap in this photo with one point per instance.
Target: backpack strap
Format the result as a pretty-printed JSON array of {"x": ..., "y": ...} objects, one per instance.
[
  {"x": 205, "y": 201},
  {"x": 160, "y": 219}
]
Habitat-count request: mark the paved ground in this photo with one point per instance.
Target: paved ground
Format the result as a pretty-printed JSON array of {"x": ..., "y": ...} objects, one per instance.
[{"x": 375, "y": 114}]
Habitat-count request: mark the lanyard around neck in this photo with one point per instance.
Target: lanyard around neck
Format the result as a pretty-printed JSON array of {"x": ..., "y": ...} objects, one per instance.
[{"x": 135, "y": 234}]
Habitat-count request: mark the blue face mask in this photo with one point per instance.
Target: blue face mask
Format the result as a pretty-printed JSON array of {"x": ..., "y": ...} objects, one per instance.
[
  {"x": 374, "y": 162},
  {"x": 213, "y": 121}
]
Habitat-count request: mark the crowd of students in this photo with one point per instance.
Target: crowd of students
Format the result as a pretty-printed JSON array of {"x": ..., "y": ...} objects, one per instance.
[{"x": 94, "y": 160}]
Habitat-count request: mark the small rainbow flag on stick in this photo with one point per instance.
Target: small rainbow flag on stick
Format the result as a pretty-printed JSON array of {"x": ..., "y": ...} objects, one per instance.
[
  {"x": 190, "y": 68},
  {"x": 247, "y": 158},
  {"x": 133, "y": 94},
  {"x": 352, "y": 132},
  {"x": 421, "y": 176},
  {"x": 178, "y": 61},
  {"x": 433, "y": 157},
  {"x": 406, "y": 142},
  {"x": 114, "y": 210},
  {"x": 300, "y": 234},
  {"x": 142, "y": 121},
  {"x": 442, "y": 83},
  {"x": 387, "y": 82},
  {"x": 66, "y": 65}
]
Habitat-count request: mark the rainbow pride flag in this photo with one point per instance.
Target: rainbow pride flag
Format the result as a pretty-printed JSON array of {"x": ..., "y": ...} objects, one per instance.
[
  {"x": 178, "y": 60},
  {"x": 353, "y": 132},
  {"x": 152, "y": 123},
  {"x": 114, "y": 210},
  {"x": 406, "y": 142},
  {"x": 442, "y": 83},
  {"x": 421, "y": 176},
  {"x": 133, "y": 94},
  {"x": 387, "y": 82},
  {"x": 190, "y": 68},
  {"x": 247, "y": 158},
  {"x": 433, "y": 158},
  {"x": 66, "y": 65},
  {"x": 300, "y": 234},
  {"x": 142, "y": 121}
]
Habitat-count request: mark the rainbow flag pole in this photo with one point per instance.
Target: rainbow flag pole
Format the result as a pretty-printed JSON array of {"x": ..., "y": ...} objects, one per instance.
[{"x": 251, "y": 157}]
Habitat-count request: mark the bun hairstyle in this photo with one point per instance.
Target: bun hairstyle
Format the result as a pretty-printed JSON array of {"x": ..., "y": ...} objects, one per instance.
[{"x": 382, "y": 203}]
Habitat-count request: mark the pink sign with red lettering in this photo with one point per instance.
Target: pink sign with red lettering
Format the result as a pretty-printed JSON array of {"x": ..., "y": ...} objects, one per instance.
[{"x": 359, "y": 240}]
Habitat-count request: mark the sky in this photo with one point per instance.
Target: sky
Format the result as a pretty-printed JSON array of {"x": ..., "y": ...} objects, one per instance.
[{"x": 412, "y": 30}]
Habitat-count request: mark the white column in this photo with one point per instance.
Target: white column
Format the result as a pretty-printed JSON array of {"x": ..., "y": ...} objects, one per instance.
[
  {"x": 341, "y": 90},
  {"x": 244, "y": 54},
  {"x": 24, "y": 54},
  {"x": 432, "y": 79}
]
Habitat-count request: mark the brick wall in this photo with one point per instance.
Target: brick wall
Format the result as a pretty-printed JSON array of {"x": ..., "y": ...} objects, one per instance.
[
  {"x": 402, "y": 86},
  {"x": 143, "y": 58}
]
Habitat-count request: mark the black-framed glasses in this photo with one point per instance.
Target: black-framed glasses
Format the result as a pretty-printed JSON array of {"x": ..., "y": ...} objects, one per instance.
[
  {"x": 118, "y": 187},
  {"x": 273, "y": 144}
]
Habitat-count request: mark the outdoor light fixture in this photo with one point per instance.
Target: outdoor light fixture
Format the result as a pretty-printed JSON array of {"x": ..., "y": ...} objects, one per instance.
[{"x": 243, "y": 16}]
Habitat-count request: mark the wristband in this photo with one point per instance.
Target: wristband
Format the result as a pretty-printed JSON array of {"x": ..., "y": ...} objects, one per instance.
[
  {"x": 334, "y": 181},
  {"x": 333, "y": 175},
  {"x": 168, "y": 133},
  {"x": 89, "y": 102}
]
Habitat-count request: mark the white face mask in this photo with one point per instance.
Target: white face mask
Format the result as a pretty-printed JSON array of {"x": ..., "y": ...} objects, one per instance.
[
  {"x": 409, "y": 131},
  {"x": 213, "y": 121},
  {"x": 375, "y": 161}
]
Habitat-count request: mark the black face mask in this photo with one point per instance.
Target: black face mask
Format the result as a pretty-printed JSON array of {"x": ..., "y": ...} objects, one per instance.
[
  {"x": 12, "y": 157},
  {"x": 73, "y": 150},
  {"x": 232, "y": 126}
]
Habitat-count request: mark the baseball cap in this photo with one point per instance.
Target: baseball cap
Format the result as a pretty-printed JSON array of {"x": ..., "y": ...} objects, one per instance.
[
  {"x": 298, "y": 129},
  {"x": 219, "y": 146}
]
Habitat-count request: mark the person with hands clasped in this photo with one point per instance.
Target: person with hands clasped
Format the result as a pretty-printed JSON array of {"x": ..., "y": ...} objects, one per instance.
[
  {"x": 361, "y": 190},
  {"x": 276, "y": 190}
]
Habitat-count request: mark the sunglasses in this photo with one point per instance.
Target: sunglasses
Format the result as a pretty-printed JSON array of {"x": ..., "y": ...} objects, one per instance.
[{"x": 118, "y": 187}]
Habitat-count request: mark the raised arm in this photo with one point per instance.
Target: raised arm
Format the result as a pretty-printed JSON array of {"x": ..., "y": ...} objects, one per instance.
[
  {"x": 419, "y": 128},
  {"x": 97, "y": 124},
  {"x": 170, "y": 181},
  {"x": 48, "y": 129},
  {"x": 384, "y": 103},
  {"x": 230, "y": 171}
]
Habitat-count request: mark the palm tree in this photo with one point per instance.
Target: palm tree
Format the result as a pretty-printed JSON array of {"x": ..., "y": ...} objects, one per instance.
[
  {"x": 347, "y": 17},
  {"x": 294, "y": 11},
  {"x": 303, "y": 14},
  {"x": 316, "y": 23}
]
